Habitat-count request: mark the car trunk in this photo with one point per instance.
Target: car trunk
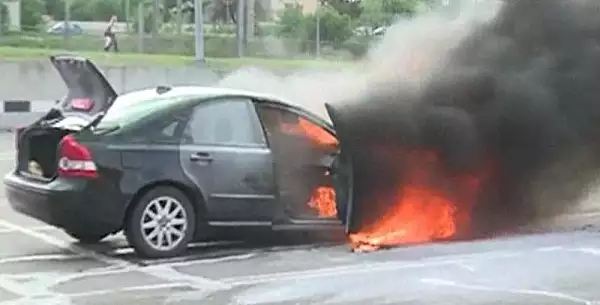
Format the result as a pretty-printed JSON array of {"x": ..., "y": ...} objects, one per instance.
[
  {"x": 38, "y": 151},
  {"x": 89, "y": 94}
]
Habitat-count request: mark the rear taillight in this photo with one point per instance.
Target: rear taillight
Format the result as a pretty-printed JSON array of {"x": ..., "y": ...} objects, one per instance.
[
  {"x": 75, "y": 159},
  {"x": 84, "y": 104}
]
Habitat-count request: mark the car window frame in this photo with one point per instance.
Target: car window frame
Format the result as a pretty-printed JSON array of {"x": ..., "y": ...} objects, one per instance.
[
  {"x": 137, "y": 132},
  {"x": 292, "y": 110},
  {"x": 174, "y": 103},
  {"x": 258, "y": 132}
]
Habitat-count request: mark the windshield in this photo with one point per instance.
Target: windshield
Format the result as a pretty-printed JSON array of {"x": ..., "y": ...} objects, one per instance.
[{"x": 125, "y": 112}]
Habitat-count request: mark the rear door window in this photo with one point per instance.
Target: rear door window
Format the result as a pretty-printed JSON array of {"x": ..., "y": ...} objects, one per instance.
[
  {"x": 136, "y": 110},
  {"x": 226, "y": 121}
]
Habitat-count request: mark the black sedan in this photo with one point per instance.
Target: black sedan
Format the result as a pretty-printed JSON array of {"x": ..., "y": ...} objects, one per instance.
[{"x": 166, "y": 165}]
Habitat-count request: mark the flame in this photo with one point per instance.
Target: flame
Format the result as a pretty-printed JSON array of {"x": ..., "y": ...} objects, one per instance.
[
  {"x": 323, "y": 202},
  {"x": 311, "y": 131},
  {"x": 422, "y": 211}
]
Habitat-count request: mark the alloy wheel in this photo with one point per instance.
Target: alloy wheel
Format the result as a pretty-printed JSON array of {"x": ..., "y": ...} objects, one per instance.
[{"x": 164, "y": 223}]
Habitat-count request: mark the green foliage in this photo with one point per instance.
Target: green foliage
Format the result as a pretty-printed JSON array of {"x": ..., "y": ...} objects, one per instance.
[
  {"x": 292, "y": 22},
  {"x": 4, "y": 18},
  {"x": 384, "y": 12},
  {"x": 89, "y": 10},
  {"x": 31, "y": 13},
  {"x": 349, "y": 8},
  {"x": 333, "y": 26},
  {"x": 296, "y": 31}
]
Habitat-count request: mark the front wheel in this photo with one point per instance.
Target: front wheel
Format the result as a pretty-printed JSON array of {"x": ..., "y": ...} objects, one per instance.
[{"x": 161, "y": 224}]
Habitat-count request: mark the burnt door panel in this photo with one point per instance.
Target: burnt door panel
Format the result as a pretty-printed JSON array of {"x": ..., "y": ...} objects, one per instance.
[
  {"x": 303, "y": 151},
  {"x": 225, "y": 154}
]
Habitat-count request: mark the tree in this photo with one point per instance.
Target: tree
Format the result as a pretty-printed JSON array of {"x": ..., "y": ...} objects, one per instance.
[
  {"x": 351, "y": 8},
  {"x": 334, "y": 27},
  {"x": 384, "y": 12},
  {"x": 292, "y": 22},
  {"x": 96, "y": 10},
  {"x": 31, "y": 13},
  {"x": 4, "y": 18}
]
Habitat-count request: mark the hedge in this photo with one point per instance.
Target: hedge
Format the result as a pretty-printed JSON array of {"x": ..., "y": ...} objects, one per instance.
[{"x": 216, "y": 45}]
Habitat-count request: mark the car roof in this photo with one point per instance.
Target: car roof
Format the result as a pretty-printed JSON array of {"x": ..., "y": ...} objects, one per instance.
[{"x": 214, "y": 92}]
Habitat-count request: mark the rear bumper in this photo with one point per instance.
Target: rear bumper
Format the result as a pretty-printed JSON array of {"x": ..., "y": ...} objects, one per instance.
[{"x": 73, "y": 205}]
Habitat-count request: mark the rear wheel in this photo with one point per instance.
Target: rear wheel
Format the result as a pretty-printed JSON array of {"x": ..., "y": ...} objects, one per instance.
[
  {"x": 86, "y": 237},
  {"x": 161, "y": 224}
]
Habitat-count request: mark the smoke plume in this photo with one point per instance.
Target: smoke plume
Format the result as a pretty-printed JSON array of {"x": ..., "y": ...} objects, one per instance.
[
  {"x": 514, "y": 84},
  {"x": 519, "y": 91}
]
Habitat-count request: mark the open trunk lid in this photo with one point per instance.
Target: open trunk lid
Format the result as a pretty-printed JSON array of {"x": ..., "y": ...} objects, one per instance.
[
  {"x": 89, "y": 95},
  {"x": 89, "y": 91}
]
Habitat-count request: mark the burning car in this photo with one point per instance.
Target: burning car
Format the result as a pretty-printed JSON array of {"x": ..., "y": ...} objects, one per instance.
[{"x": 165, "y": 165}]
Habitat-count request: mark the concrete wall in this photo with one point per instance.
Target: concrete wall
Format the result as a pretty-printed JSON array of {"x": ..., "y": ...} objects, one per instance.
[
  {"x": 37, "y": 85},
  {"x": 38, "y": 80}
]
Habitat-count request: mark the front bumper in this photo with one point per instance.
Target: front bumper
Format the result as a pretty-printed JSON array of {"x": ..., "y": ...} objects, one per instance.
[{"x": 73, "y": 204}]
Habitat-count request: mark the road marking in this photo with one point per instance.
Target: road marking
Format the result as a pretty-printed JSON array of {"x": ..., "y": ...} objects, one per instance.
[
  {"x": 213, "y": 260},
  {"x": 38, "y": 228},
  {"x": 51, "y": 240},
  {"x": 465, "y": 266},
  {"x": 14, "y": 287},
  {"x": 43, "y": 257},
  {"x": 540, "y": 293},
  {"x": 357, "y": 269},
  {"x": 127, "y": 289},
  {"x": 117, "y": 265},
  {"x": 129, "y": 250},
  {"x": 550, "y": 249}
]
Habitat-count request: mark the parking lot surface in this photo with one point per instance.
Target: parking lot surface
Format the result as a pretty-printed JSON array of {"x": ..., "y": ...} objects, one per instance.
[{"x": 41, "y": 265}]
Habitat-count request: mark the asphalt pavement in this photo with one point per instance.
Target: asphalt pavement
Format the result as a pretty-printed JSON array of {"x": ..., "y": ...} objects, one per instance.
[{"x": 42, "y": 265}]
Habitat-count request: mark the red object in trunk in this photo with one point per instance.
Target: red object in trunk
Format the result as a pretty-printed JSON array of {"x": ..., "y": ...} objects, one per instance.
[
  {"x": 84, "y": 104},
  {"x": 75, "y": 159}
]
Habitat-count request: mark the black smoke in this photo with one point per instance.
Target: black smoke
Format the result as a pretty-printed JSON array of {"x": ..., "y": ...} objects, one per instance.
[{"x": 521, "y": 92}]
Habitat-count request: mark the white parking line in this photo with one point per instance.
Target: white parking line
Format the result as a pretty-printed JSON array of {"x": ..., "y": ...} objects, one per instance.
[
  {"x": 128, "y": 289},
  {"x": 43, "y": 257},
  {"x": 362, "y": 268},
  {"x": 175, "y": 278},
  {"x": 165, "y": 273},
  {"x": 530, "y": 292},
  {"x": 37, "y": 228}
]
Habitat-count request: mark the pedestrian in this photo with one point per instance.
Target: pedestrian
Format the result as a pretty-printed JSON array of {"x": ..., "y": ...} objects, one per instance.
[{"x": 110, "y": 38}]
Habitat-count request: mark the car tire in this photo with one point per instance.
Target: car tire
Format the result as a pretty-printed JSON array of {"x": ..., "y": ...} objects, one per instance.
[
  {"x": 154, "y": 232},
  {"x": 86, "y": 237}
]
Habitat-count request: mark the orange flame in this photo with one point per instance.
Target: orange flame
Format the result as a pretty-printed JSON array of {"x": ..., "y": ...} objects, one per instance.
[
  {"x": 323, "y": 202},
  {"x": 312, "y": 131},
  {"x": 422, "y": 212}
]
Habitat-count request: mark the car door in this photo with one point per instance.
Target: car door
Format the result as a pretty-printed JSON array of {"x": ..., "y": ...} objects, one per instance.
[
  {"x": 303, "y": 149},
  {"x": 224, "y": 152}
]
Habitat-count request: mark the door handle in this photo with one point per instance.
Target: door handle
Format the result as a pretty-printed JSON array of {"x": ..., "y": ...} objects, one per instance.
[{"x": 201, "y": 156}]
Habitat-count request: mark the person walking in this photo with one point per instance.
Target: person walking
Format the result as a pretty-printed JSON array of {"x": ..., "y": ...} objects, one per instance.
[{"x": 110, "y": 38}]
